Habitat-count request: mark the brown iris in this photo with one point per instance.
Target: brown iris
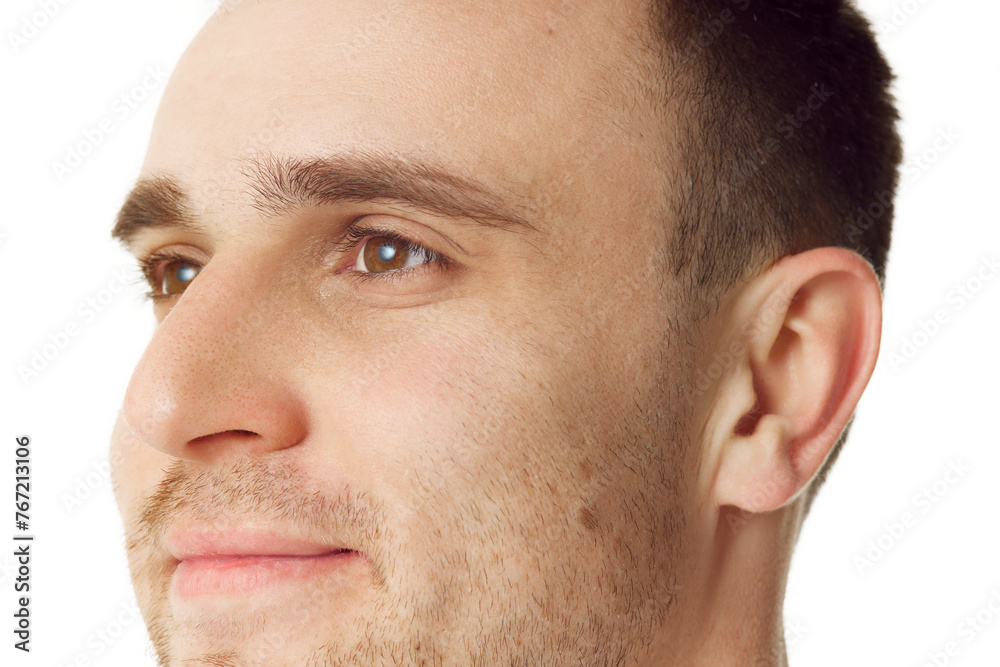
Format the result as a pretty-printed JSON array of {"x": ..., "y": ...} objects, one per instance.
[
  {"x": 177, "y": 276},
  {"x": 385, "y": 254}
]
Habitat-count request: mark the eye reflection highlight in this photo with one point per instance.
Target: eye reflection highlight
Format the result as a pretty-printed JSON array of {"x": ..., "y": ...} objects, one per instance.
[{"x": 384, "y": 254}]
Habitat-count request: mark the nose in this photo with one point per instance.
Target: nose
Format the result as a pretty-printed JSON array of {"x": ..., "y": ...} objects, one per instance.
[{"x": 211, "y": 384}]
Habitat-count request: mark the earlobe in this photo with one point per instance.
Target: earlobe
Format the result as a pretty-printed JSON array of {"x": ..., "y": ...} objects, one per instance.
[{"x": 779, "y": 413}]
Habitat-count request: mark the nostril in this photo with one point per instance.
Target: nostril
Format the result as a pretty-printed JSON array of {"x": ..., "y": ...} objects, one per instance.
[{"x": 210, "y": 436}]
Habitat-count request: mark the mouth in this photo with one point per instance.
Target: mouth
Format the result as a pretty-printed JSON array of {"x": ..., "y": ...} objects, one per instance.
[{"x": 240, "y": 563}]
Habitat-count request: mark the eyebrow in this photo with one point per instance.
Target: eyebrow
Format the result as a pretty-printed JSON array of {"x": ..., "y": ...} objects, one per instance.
[{"x": 281, "y": 185}]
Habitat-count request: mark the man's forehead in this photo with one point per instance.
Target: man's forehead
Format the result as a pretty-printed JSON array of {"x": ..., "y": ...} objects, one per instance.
[{"x": 518, "y": 94}]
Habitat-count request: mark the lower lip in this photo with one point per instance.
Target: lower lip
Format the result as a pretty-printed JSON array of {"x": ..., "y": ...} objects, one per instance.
[{"x": 239, "y": 575}]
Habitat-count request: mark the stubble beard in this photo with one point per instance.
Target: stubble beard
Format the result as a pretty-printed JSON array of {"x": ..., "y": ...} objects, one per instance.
[{"x": 577, "y": 613}]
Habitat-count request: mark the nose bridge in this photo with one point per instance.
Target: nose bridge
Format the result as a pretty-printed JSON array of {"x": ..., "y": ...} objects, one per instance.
[{"x": 211, "y": 380}]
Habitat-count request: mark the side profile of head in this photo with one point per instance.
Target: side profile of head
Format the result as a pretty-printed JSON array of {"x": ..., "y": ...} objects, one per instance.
[{"x": 498, "y": 333}]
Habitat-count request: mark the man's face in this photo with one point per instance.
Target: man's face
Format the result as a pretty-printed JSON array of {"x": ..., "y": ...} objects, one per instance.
[{"x": 487, "y": 423}]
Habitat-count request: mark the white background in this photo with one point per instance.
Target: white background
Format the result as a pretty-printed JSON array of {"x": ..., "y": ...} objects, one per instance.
[{"x": 917, "y": 418}]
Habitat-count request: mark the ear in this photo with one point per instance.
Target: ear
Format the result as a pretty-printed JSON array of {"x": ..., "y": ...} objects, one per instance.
[{"x": 801, "y": 340}]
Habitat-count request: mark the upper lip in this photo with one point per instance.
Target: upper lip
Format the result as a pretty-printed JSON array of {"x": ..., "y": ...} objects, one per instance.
[{"x": 185, "y": 544}]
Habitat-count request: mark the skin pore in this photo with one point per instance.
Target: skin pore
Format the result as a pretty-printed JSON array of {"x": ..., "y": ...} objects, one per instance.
[{"x": 505, "y": 430}]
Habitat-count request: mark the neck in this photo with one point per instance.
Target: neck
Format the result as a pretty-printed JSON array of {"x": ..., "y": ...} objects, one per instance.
[{"x": 730, "y": 611}]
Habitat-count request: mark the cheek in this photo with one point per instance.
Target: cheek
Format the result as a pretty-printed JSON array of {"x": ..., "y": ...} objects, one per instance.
[
  {"x": 424, "y": 400},
  {"x": 457, "y": 417}
]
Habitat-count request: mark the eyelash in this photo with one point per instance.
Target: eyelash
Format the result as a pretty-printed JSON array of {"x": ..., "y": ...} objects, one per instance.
[{"x": 150, "y": 265}]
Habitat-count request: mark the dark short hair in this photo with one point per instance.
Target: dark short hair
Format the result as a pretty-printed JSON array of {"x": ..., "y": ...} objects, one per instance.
[{"x": 787, "y": 140}]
